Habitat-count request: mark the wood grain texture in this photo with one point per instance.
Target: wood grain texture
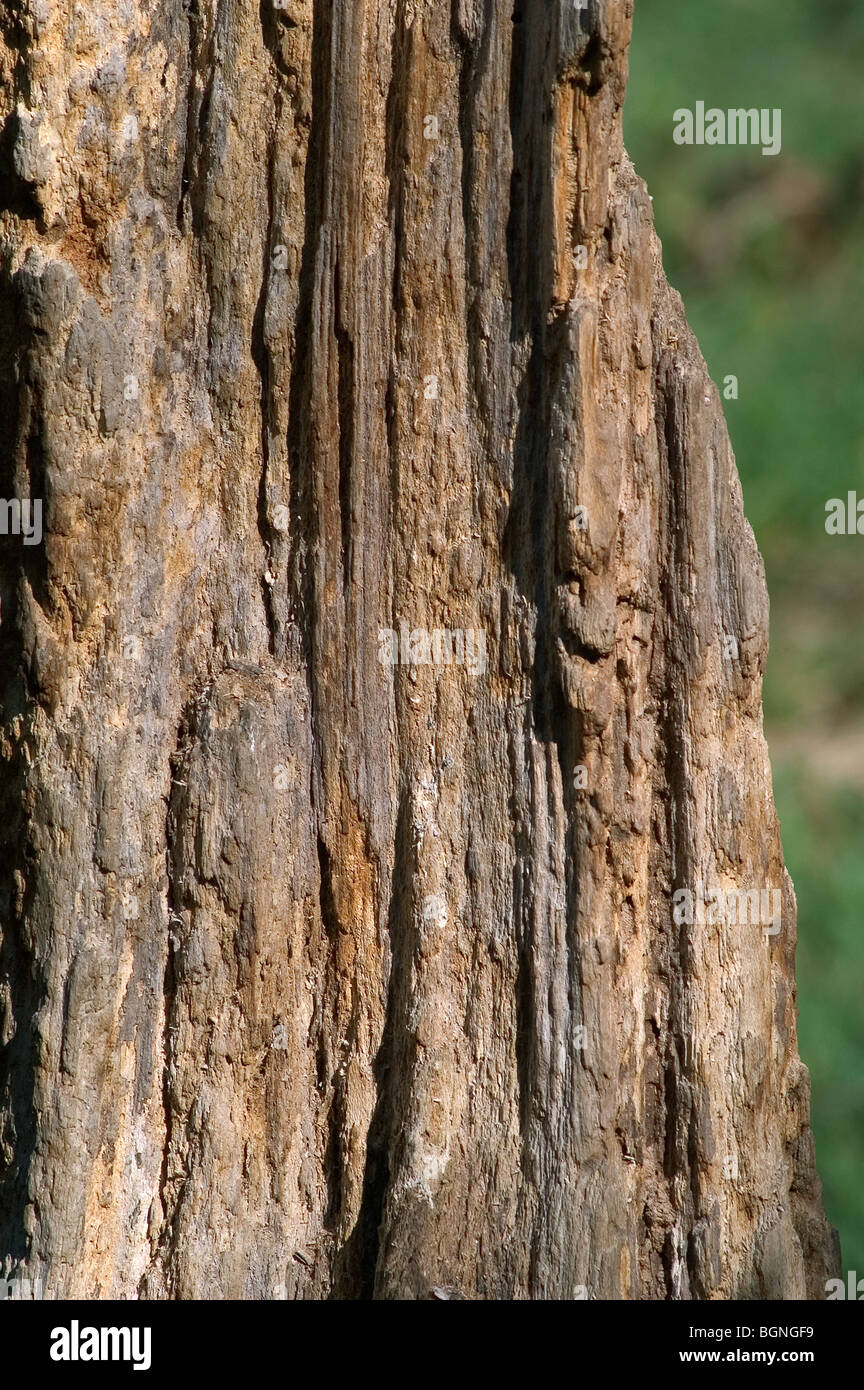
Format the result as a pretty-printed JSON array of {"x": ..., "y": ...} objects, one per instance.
[{"x": 319, "y": 975}]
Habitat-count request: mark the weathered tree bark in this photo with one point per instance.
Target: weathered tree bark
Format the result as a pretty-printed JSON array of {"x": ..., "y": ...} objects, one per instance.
[{"x": 322, "y": 975}]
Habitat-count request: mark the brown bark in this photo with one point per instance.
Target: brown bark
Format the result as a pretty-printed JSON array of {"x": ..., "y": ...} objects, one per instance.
[{"x": 321, "y": 975}]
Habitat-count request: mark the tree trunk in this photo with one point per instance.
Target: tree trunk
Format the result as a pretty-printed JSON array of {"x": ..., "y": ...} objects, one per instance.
[{"x": 391, "y": 658}]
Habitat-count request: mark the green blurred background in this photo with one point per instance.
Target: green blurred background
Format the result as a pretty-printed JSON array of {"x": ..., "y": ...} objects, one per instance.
[{"x": 768, "y": 254}]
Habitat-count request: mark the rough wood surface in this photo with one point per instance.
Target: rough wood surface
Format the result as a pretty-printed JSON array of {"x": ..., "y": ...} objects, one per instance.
[{"x": 322, "y": 975}]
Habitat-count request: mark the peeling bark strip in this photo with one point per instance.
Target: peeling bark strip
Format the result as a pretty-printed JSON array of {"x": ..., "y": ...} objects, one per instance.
[{"x": 323, "y": 974}]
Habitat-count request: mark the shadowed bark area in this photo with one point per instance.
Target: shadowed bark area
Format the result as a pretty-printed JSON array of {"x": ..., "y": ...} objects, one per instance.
[{"x": 391, "y": 658}]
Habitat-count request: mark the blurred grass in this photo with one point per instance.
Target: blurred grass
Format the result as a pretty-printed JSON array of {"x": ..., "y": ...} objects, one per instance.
[{"x": 768, "y": 254}]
